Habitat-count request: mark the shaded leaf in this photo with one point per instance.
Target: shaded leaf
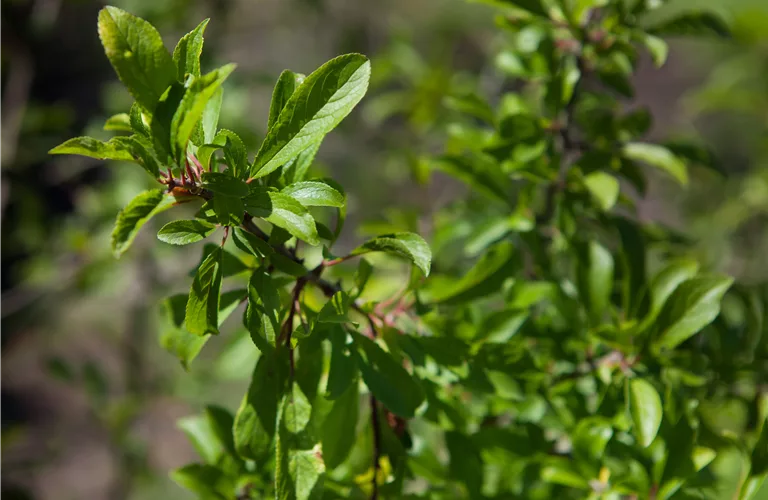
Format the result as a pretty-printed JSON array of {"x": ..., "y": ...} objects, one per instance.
[{"x": 202, "y": 312}]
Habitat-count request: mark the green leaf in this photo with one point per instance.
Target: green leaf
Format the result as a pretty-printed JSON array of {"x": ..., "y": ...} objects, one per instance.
[
  {"x": 202, "y": 312},
  {"x": 604, "y": 188},
  {"x": 142, "y": 151},
  {"x": 203, "y": 437},
  {"x": 659, "y": 157},
  {"x": 229, "y": 210},
  {"x": 590, "y": 438},
  {"x": 192, "y": 106},
  {"x": 324, "y": 98},
  {"x": 205, "y": 480},
  {"x": 335, "y": 310},
  {"x": 408, "y": 245},
  {"x": 136, "y": 51},
  {"x": 387, "y": 379},
  {"x": 254, "y": 424},
  {"x": 595, "y": 273},
  {"x": 94, "y": 148},
  {"x": 296, "y": 410},
  {"x": 338, "y": 433},
  {"x": 186, "y": 55},
  {"x": 296, "y": 169},
  {"x": 284, "y": 88},
  {"x": 250, "y": 243},
  {"x": 343, "y": 370},
  {"x": 184, "y": 232},
  {"x": 484, "y": 278},
  {"x": 479, "y": 172},
  {"x": 224, "y": 183},
  {"x": 284, "y": 212},
  {"x": 645, "y": 409},
  {"x": 210, "y": 119},
  {"x": 130, "y": 219},
  {"x": 692, "y": 306},
  {"x": 466, "y": 464},
  {"x": 314, "y": 194},
  {"x": 178, "y": 341},
  {"x": 219, "y": 428},
  {"x": 657, "y": 47},
  {"x": 691, "y": 23},
  {"x": 668, "y": 279},
  {"x": 120, "y": 122},
  {"x": 263, "y": 319}
]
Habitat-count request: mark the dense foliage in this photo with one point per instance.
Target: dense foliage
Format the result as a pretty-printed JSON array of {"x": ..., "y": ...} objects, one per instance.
[{"x": 557, "y": 347}]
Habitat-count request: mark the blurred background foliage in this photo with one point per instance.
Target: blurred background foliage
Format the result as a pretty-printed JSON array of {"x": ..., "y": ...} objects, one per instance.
[{"x": 89, "y": 401}]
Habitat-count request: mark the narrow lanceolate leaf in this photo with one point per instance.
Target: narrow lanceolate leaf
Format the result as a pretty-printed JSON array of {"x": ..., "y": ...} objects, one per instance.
[
  {"x": 338, "y": 429},
  {"x": 668, "y": 279},
  {"x": 93, "y": 148},
  {"x": 186, "y": 55},
  {"x": 387, "y": 379},
  {"x": 659, "y": 157},
  {"x": 130, "y": 219},
  {"x": 136, "y": 51},
  {"x": 314, "y": 194},
  {"x": 202, "y": 312},
  {"x": 692, "y": 306},
  {"x": 324, "y": 98},
  {"x": 645, "y": 409},
  {"x": 196, "y": 96},
  {"x": 695, "y": 23},
  {"x": 184, "y": 232},
  {"x": 408, "y": 245},
  {"x": 296, "y": 169},
  {"x": 482, "y": 279},
  {"x": 595, "y": 273},
  {"x": 250, "y": 243},
  {"x": 284, "y": 212},
  {"x": 604, "y": 188},
  {"x": 224, "y": 183},
  {"x": 254, "y": 424},
  {"x": 284, "y": 88}
]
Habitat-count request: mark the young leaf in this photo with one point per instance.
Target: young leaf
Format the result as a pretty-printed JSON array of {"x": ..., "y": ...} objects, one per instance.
[
  {"x": 130, "y": 219},
  {"x": 186, "y": 55},
  {"x": 119, "y": 123},
  {"x": 408, "y": 245},
  {"x": 604, "y": 188},
  {"x": 284, "y": 212},
  {"x": 229, "y": 210},
  {"x": 136, "y": 51},
  {"x": 192, "y": 106},
  {"x": 324, "y": 98},
  {"x": 202, "y": 312},
  {"x": 284, "y": 88},
  {"x": 692, "y": 306},
  {"x": 263, "y": 319},
  {"x": 224, "y": 183},
  {"x": 184, "y": 232},
  {"x": 314, "y": 194},
  {"x": 387, "y": 379},
  {"x": 645, "y": 409},
  {"x": 657, "y": 156},
  {"x": 94, "y": 148}
]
